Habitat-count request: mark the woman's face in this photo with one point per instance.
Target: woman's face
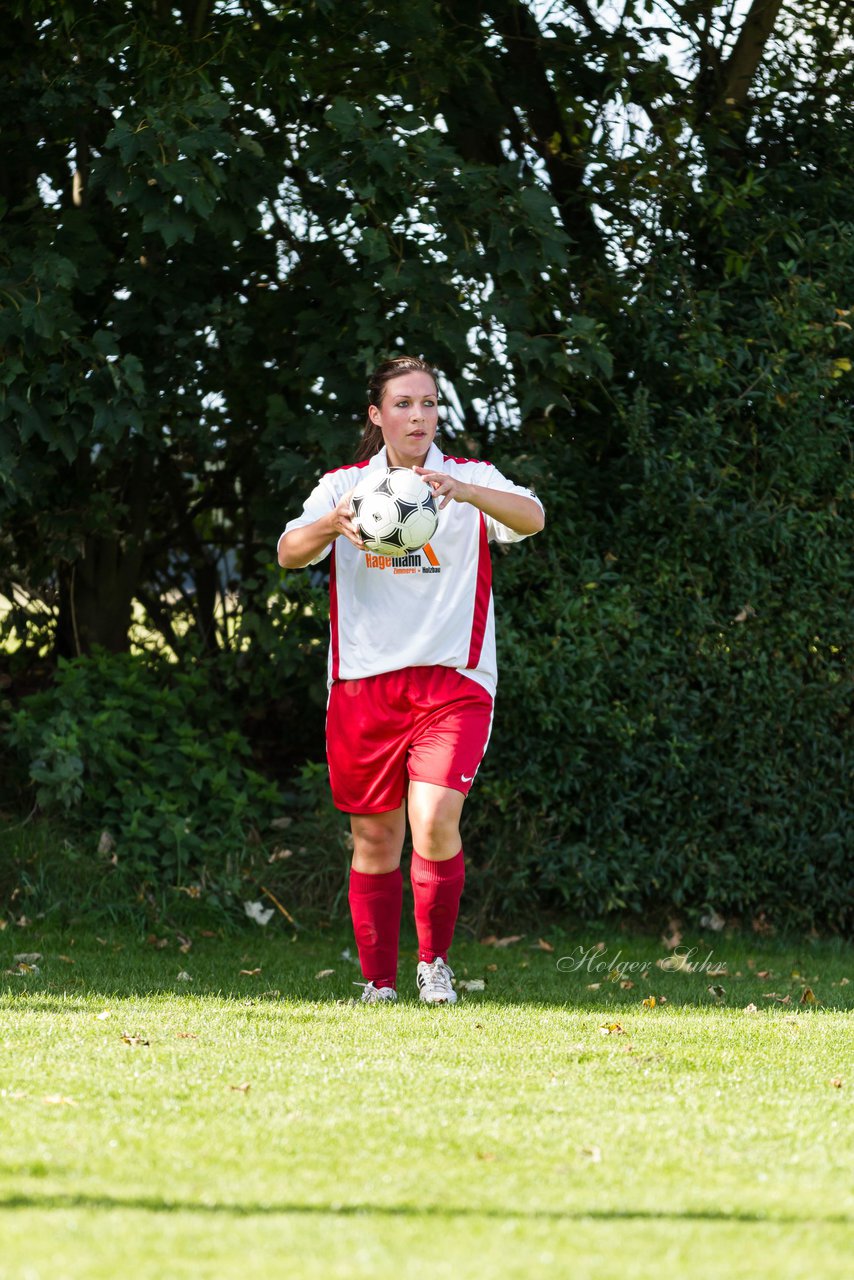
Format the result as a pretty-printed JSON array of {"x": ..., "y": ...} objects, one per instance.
[{"x": 407, "y": 415}]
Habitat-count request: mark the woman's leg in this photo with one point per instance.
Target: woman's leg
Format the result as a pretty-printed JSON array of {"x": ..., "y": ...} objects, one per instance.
[
  {"x": 376, "y": 892},
  {"x": 438, "y": 869}
]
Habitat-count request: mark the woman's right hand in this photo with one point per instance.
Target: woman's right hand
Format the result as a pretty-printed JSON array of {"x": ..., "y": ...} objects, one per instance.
[{"x": 343, "y": 522}]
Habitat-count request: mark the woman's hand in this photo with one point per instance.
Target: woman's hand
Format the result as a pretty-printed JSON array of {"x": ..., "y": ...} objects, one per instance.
[
  {"x": 342, "y": 521},
  {"x": 445, "y": 486}
]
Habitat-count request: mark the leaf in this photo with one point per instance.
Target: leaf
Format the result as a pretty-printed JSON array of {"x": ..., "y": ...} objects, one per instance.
[
  {"x": 837, "y": 1082},
  {"x": 593, "y": 1153},
  {"x": 241, "y": 1088},
  {"x": 183, "y": 976},
  {"x": 593, "y": 986},
  {"x": 775, "y": 995},
  {"x": 750, "y": 1008},
  {"x": 186, "y": 1035},
  {"x": 717, "y": 991},
  {"x": 129, "y": 1039},
  {"x": 493, "y": 941},
  {"x": 649, "y": 1002},
  {"x": 103, "y": 1015},
  {"x": 713, "y": 921},
  {"x": 542, "y": 945},
  {"x": 471, "y": 984},
  {"x": 27, "y": 957},
  {"x": 808, "y": 997},
  {"x": 258, "y": 912},
  {"x": 323, "y": 973},
  {"x": 249, "y": 973},
  {"x": 58, "y": 1100},
  {"x": 611, "y": 1029},
  {"x": 673, "y": 936},
  {"x": 279, "y": 855},
  {"x": 626, "y": 984}
]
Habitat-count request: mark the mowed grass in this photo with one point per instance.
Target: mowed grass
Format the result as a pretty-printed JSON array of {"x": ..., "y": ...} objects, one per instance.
[{"x": 257, "y": 1124}]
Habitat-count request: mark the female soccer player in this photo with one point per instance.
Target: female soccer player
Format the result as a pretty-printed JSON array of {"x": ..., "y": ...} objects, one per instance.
[{"x": 412, "y": 672}]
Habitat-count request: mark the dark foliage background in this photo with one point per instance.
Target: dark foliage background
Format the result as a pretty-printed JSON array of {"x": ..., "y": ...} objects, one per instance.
[{"x": 625, "y": 238}]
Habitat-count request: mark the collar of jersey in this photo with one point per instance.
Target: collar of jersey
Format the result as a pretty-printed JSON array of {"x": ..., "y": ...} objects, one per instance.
[{"x": 433, "y": 462}]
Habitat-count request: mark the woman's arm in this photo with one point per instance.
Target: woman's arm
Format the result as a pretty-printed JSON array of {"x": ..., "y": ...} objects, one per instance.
[
  {"x": 299, "y": 547},
  {"x": 522, "y": 515}
]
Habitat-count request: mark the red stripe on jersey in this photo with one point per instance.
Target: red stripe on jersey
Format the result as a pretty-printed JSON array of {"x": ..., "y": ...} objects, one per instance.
[
  {"x": 482, "y": 594},
  {"x": 448, "y": 458},
  {"x": 346, "y": 466},
  {"x": 334, "y": 646}
]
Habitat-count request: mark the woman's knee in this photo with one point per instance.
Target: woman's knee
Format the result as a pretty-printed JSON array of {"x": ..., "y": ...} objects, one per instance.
[
  {"x": 377, "y": 841},
  {"x": 434, "y": 816}
]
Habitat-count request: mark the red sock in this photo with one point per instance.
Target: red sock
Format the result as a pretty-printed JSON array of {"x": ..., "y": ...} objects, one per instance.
[
  {"x": 375, "y": 903},
  {"x": 437, "y": 888}
]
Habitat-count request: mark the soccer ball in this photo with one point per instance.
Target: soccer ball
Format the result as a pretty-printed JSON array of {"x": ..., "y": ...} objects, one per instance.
[{"x": 395, "y": 511}]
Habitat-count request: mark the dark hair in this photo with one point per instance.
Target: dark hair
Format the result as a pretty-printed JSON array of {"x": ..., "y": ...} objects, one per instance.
[{"x": 372, "y": 436}]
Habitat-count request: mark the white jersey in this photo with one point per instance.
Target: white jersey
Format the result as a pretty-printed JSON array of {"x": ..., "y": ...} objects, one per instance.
[{"x": 429, "y": 608}]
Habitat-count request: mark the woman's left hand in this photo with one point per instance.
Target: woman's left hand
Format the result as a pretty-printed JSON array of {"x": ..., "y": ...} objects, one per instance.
[{"x": 444, "y": 486}]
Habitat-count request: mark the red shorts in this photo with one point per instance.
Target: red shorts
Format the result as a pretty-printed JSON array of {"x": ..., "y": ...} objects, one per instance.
[{"x": 427, "y": 724}]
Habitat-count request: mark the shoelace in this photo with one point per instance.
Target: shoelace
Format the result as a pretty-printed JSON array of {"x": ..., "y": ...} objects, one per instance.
[
  {"x": 375, "y": 992},
  {"x": 438, "y": 978}
]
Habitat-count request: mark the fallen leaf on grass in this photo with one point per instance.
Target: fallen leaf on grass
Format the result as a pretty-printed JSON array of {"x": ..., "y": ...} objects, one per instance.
[
  {"x": 241, "y": 1088},
  {"x": 809, "y": 997},
  {"x": 471, "y": 984},
  {"x": 14, "y": 1095},
  {"x": 542, "y": 945},
  {"x": 27, "y": 957},
  {"x": 611, "y": 1029},
  {"x": 486, "y": 1155},
  {"x": 775, "y": 995},
  {"x": 713, "y": 921},
  {"x": 58, "y": 1100},
  {"x": 593, "y": 986},
  {"x": 24, "y": 970},
  {"x": 186, "y": 1035},
  {"x": 183, "y": 976},
  {"x": 127, "y": 1039},
  {"x": 765, "y": 973},
  {"x": 103, "y": 1015},
  {"x": 249, "y": 973},
  {"x": 66, "y": 959},
  {"x": 718, "y": 992},
  {"x": 492, "y": 941},
  {"x": 673, "y": 936},
  {"x": 649, "y": 1002},
  {"x": 208, "y": 933},
  {"x": 280, "y": 824},
  {"x": 626, "y": 984},
  {"x": 593, "y": 1153},
  {"x": 258, "y": 912},
  {"x": 279, "y": 855},
  {"x": 154, "y": 941},
  {"x": 323, "y": 973},
  {"x": 750, "y": 1008},
  {"x": 837, "y": 1082},
  {"x": 492, "y": 968}
]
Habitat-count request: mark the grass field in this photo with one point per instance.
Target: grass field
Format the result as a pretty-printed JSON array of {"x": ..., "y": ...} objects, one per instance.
[{"x": 257, "y": 1124}]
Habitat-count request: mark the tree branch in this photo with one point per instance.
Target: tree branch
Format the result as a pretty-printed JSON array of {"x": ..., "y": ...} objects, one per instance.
[{"x": 740, "y": 68}]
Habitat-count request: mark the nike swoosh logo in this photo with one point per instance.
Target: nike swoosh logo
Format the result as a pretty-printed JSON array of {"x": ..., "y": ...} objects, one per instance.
[{"x": 465, "y": 779}]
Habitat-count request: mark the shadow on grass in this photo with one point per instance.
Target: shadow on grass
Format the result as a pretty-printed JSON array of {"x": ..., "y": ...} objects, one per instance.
[{"x": 154, "y": 1205}]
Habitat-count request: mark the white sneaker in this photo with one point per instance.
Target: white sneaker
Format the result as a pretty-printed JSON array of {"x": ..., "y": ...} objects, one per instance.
[
  {"x": 434, "y": 982},
  {"x": 376, "y": 995}
]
